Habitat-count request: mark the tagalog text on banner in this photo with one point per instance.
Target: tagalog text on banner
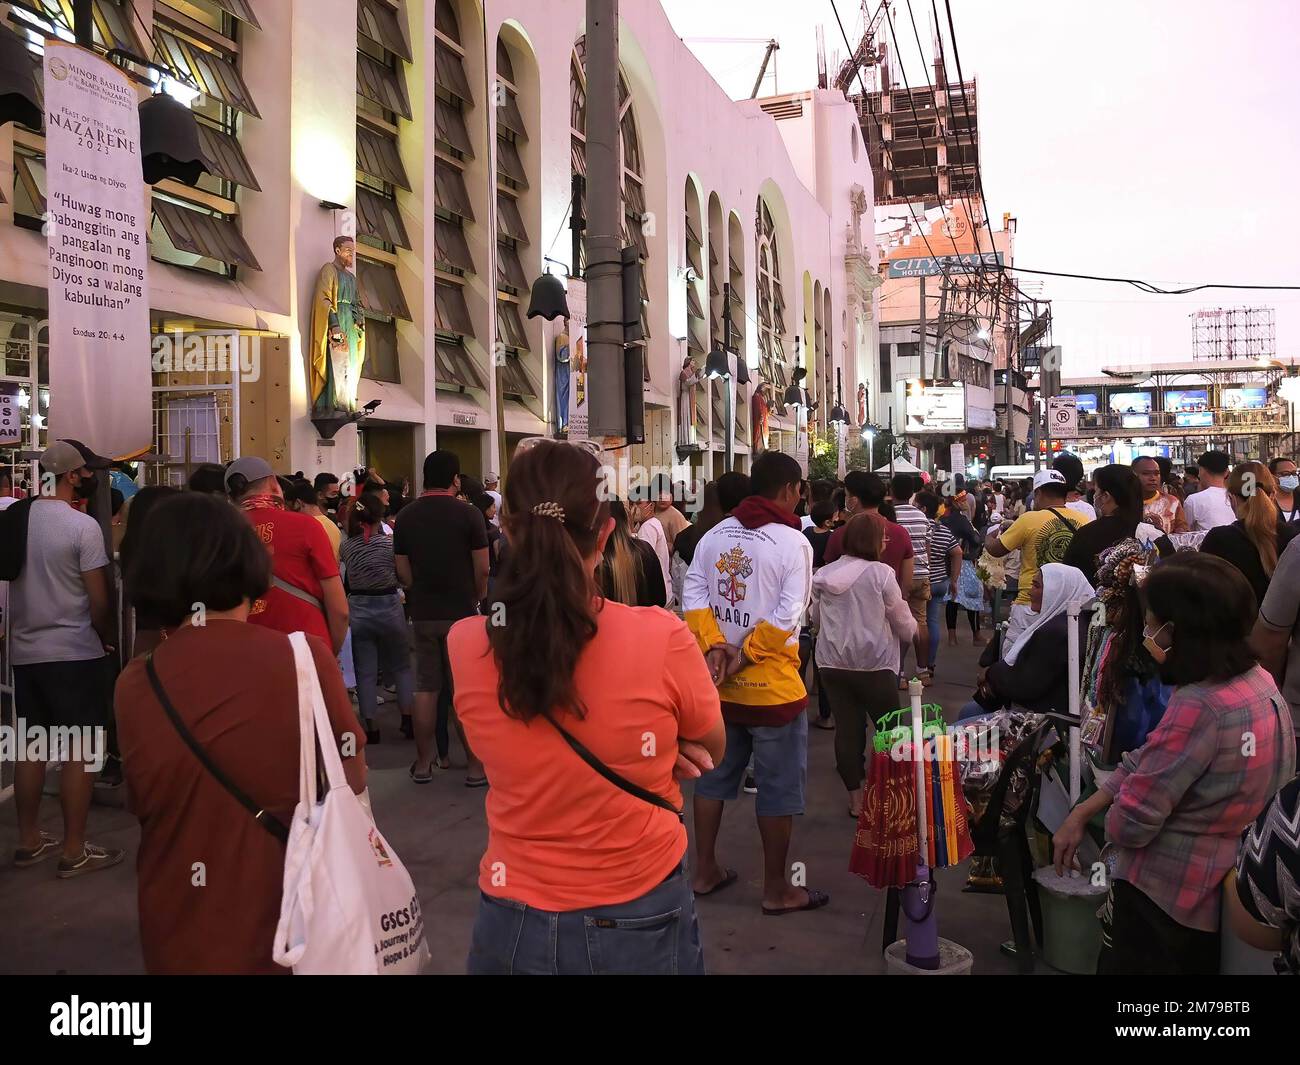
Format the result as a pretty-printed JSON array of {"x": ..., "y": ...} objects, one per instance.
[{"x": 100, "y": 384}]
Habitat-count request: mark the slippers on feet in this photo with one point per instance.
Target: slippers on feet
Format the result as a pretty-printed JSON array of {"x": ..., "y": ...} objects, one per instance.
[
  {"x": 420, "y": 778},
  {"x": 476, "y": 782},
  {"x": 730, "y": 878},
  {"x": 816, "y": 900}
]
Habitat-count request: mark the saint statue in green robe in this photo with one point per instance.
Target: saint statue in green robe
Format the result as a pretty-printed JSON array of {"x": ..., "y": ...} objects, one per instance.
[{"x": 338, "y": 333}]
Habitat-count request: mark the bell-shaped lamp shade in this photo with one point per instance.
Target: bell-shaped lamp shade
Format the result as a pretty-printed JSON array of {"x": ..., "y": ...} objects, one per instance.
[
  {"x": 838, "y": 414},
  {"x": 794, "y": 396},
  {"x": 742, "y": 372},
  {"x": 716, "y": 364},
  {"x": 19, "y": 100},
  {"x": 549, "y": 300},
  {"x": 169, "y": 141}
]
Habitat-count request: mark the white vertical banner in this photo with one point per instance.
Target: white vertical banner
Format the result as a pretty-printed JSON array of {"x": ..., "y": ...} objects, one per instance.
[
  {"x": 100, "y": 383},
  {"x": 842, "y": 449},
  {"x": 957, "y": 457},
  {"x": 578, "y": 423}
]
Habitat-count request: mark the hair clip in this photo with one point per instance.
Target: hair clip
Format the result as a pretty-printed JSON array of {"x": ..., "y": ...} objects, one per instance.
[{"x": 550, "y": 510}]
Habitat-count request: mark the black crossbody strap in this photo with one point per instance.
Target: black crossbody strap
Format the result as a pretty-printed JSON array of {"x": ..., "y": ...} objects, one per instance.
[
  {"x": 614, "y": 778},
  {"x": 278, "y": 830}
]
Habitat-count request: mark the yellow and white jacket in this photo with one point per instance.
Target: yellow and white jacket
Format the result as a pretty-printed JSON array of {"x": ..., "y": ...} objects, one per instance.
[{"x": 750, "y": 587}]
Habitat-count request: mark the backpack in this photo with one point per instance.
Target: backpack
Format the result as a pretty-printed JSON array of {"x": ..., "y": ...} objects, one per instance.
[
  {"x": 1054, "y": 539},
  {"x": 13, "y": 537}
]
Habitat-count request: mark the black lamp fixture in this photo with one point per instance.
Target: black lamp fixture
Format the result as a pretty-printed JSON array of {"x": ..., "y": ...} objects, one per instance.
[
  {"x": 19, "y": 100},
  {"x": 549, "y": 299},
  {"x": 742, "y": 372},
  {"x": 169, "y": 141},
  {"x": 717, "y": 365}
]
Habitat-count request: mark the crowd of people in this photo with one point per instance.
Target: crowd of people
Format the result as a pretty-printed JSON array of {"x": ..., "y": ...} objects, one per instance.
[{"x": 593, "y": 653}]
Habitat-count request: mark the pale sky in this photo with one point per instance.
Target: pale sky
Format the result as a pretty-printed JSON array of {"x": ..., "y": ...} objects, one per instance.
[{"x": 1158, "y": 139}]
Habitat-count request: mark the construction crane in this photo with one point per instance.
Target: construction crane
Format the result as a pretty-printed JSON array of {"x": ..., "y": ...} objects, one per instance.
[
  {"x": 865, "y": 53},
  {"x": 772, "y": 45}
]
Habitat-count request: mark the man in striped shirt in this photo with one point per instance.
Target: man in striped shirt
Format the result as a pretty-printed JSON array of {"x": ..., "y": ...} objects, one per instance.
[{"x": 902, "y": 486}]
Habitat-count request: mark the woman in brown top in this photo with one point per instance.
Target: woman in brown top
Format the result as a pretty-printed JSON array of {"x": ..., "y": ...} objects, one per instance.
[{"x": 210, "y": 874}]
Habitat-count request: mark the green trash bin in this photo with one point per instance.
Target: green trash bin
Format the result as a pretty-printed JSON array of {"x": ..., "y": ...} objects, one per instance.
[{"x": 1071, "y": 928}]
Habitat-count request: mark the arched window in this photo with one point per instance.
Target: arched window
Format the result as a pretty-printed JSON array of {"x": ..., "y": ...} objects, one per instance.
[
  {"x": 771, "y": 302},
  {"x": 631, "y": 165}
]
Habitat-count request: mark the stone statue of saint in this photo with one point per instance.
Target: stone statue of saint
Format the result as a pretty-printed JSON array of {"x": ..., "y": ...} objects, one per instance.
[
  {"x": 687, "y": 378},
  {"x": 761, "y": 408},
  {"x": 338, "y": 333},
  {"x": 862, "y": 405}
]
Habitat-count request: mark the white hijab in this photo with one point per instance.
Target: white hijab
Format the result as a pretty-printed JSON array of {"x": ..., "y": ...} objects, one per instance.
[{"x": 1062, "y": 585}]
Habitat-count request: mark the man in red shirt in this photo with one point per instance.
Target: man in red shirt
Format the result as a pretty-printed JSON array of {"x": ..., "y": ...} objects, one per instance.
[
  {"x": 306, "y": 593},
  {"x": 866, "y": 491}
]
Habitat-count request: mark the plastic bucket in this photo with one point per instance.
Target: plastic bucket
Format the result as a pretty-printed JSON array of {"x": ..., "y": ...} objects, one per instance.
[
  {"x": 1071, "y": 930},
  {"x": 954, "y": 960}
]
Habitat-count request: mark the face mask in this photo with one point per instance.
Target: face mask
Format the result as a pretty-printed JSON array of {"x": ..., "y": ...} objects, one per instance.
[
  {"x": 1158, "y": 654},
  {"x": 1289, "y": 482},
  {"x": 88, "y": 486}
]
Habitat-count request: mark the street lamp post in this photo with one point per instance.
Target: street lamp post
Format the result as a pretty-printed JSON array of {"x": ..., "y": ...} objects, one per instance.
[{"x": 869, "y": 435}]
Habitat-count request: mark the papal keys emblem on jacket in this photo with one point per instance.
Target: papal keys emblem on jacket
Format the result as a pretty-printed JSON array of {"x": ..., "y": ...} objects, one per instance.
[{"x": 733, "y": 565}]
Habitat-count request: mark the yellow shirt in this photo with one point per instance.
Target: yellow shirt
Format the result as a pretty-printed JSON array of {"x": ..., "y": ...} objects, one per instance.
[
  {"x": 332, "y": 531},
  {"x": 1039, "y": 537}
]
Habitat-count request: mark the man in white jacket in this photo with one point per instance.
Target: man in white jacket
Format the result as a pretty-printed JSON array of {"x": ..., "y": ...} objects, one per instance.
[{"x": 744, "y": 598}]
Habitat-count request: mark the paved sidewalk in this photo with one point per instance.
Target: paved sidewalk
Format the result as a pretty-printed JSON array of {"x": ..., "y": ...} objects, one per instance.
[{"x": 88, "y": 925}]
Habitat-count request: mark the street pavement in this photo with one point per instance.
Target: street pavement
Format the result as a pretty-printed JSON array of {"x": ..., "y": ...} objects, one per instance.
[{"x": 89, "y": 925}]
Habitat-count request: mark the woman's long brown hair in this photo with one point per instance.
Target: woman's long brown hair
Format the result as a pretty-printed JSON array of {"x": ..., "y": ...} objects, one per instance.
[
  {"x": 620, "y": 567},
  {"x": 546, "y": 593},
  {"x": 1254, "y": 488}
]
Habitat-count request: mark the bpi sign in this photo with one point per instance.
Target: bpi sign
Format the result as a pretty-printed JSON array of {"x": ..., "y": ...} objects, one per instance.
[{"x": 1062, "y": 416}]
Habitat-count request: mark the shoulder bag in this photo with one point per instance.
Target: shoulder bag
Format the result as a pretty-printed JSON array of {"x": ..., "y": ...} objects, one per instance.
[{"x": 614, "y": 778}]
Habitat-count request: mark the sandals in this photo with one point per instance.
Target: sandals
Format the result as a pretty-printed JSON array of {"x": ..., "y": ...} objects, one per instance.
[
  {"x": 816, "y": 900},
  {"x": 730, "y": 876},
  {"x": 476, "y": 782},
  {"x": 420, "y": 778}
]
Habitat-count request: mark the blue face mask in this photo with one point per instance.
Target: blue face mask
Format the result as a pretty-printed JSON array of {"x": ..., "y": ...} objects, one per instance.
[{"x": 1289, "y": 482}]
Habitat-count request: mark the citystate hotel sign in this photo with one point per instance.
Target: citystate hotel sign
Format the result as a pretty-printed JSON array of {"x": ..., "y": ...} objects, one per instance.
[{"x": 933, "y": 265}]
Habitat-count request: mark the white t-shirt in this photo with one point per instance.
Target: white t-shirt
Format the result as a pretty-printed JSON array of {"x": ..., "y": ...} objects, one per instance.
[
  {"x": 496, "y": 498},
  {"x": 1083, "y": 507},
  {"x": 652, "y": 532},
  {"x": 1208, "y": 509},
  {"x": 806, "y": 522},
  {"x": 49, "y": 609}
]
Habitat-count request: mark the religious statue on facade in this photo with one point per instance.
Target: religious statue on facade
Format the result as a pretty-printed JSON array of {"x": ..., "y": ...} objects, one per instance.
[
  {"x": 760, "y": 409},
  {"x": 562, "y": 370},
  {"x": 687, "y": 380},
  {"x": 338, "y": 333},
  {"x": 862, "y": 405}
]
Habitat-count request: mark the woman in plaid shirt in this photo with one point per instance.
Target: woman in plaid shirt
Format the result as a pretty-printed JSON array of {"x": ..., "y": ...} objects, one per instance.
[{"x": 1178, "y": 804}]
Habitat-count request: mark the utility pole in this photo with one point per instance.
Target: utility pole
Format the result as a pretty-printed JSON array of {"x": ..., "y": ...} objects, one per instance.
[
  {"x": 603, "y": 235},
  {"x": 1013, "y": 313},
  {"x": 939, "y": 327},
  {"x": 925, "y": 337}
]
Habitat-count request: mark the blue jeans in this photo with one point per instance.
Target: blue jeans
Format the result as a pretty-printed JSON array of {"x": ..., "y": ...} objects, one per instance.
[
  {"x": 380, "y": 640},
  {"x": 933, "y": 612},
  {"x": 656, "y": 934}
]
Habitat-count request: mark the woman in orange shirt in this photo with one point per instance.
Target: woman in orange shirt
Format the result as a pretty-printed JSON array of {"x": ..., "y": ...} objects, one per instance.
[{"x": 584, "y": 711}]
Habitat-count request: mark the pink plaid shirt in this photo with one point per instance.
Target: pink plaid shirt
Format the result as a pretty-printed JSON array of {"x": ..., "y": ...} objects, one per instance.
[{"x": 1181, "y": 801}]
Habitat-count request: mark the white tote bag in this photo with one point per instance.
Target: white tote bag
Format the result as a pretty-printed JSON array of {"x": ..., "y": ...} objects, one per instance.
[{"x": 349, "y": 905}]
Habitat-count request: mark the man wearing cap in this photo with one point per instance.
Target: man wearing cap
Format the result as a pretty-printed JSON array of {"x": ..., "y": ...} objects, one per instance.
[
  {"x": 490, "y": 487},
  {"x": 306, "y": 593},
  {"x": 1040, "y": 535},
  {"x": 61, "y": 630}
]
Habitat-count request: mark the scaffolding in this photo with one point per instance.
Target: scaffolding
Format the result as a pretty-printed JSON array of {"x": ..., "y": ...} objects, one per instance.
[{"x": 1220, "y": 333}]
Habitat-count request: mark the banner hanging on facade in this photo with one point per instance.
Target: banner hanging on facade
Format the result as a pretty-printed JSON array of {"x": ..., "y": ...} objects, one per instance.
[
  {"x": 100, "y": 383},
  {"x": 11, "y": 433},
  {"x": 576, "y": 371}
]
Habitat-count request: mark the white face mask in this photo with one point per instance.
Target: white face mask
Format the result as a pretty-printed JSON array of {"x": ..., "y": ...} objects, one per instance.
[
  {"x": 1158, "y": 654},
  {"x": 1289, "y": 482}
]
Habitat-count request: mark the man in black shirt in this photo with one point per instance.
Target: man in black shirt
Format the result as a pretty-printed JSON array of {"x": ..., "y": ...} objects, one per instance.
[{"x": 441, "y": 549}]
